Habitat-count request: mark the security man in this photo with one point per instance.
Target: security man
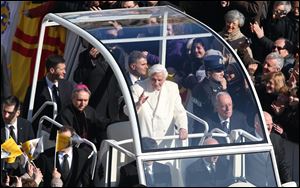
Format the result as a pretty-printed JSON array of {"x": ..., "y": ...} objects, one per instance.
[{"x": 204, "y": 93}]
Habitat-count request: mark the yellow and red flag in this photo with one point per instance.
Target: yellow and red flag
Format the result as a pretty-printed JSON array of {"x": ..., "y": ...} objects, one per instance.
[{"x": 24, "y": 49}]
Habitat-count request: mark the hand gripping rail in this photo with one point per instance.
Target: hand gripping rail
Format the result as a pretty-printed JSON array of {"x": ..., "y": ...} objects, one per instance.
[{"x": 190, "y": 135}]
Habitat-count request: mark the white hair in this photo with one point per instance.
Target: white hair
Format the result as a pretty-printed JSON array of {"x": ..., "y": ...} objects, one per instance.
[
  {"x": 219, "y": 94},
  {"x": 233, "y": 15},
  {"x": 277, "y": 57},
  {"x": 156, "y": 69}
]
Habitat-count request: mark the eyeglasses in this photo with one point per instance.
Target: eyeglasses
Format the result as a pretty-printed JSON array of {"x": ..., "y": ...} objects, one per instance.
[
  {"x": 280, "y": 13},
  {"x": 278, "y": 48}
]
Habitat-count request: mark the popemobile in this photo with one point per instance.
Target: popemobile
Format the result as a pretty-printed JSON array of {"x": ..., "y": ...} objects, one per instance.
[{"x": 241, "y": 155}]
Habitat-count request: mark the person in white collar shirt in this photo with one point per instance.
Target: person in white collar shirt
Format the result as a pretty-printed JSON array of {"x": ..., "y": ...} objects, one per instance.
[
  {"x": 22, "y": 128},
  {"x": 75, "y": 172},
  {"x": 225, "y": 117},
  {"x": 137, "y": 67},
  {"x": 61, "y": 94},
  {"x": 159, "y": 107},
  {"x": 16, "y": 127}
]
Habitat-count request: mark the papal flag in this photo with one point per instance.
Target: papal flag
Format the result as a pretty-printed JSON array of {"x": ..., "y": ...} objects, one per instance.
[
  {"x": 24, "y": 48},
  {"x": 62, "y": 141},
  {"x": 11, "y": 147},
  {"x": 33, "y": 148}
]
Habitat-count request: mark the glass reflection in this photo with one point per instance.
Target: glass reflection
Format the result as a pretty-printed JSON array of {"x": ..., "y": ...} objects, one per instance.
[{"x": 253, "y": 169}]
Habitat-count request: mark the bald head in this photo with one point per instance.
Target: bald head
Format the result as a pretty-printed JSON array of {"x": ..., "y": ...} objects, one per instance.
[
  {"x": 269, "y": 121},
  {"x": 210, "y": 141},
  {"x": 211, "y": 159}
]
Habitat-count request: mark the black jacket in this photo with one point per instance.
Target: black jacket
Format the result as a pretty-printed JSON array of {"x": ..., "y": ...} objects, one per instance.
[
  {"x": 42, "y": 95},
  {"x": 79, "y": 172},
  {"x": 129, "y": 177}
]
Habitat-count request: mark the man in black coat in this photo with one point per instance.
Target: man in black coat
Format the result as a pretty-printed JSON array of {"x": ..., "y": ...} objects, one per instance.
[
  {"x": 225, "y": 117},
  {"x": 157, "y": 174},
  {"x": 82, "y": 117},
  {"x": 18, "y": 128},
  {"x": 53, "y": 87},
  {"x": 208, "y": 171},
  {"x": 161, "y": 175},
  {"x": 10, "y": 117},
  {"x": 77, "y": 172},
  {"x": 278, "y": 145}
]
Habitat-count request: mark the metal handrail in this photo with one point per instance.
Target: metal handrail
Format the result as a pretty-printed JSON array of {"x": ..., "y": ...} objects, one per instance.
[
  {"x": 48, "y": 119},
  {"x": 42, "y": 108},
  {"x": 94, "y": 153},
  {"x": 191, "y": 115}
]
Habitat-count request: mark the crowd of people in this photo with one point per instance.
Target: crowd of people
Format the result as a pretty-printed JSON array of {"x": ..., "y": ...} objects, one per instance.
[{"x": 264, "y": 34}]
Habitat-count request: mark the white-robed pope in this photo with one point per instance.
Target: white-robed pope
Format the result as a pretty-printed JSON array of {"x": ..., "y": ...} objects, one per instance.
[{"x": 159, "y": 107}]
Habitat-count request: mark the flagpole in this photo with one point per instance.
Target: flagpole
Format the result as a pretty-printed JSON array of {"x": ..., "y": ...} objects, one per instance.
[
  {"x": 55, "y": 150},
  {"x": 42, "y": 180}
]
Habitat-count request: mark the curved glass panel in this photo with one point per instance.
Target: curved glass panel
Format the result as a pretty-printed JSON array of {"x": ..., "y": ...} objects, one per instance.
[
  {"x": 171, "y": 38},
  {"x": 254, "y": 169}
]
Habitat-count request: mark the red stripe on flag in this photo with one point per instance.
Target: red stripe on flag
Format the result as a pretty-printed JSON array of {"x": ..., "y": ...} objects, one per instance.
[
  {"x": 22, "y": 50},
  {"x": 26, "y": 38},
  {"x": 52, "y": 41}
]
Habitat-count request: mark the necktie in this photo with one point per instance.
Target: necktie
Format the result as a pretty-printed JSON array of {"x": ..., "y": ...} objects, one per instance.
[
  {"x": 212, "y": 167},
  {"x": 65, "y": 167},
  {"x": 12, "y": 133},
  {"x": 55, "y": 97},
  {"x": 149, "y": 176},
  {"x": 225, "y": 127}
]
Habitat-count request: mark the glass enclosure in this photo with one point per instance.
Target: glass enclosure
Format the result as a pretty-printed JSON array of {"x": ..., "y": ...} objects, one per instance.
[
  {"x": 212, "y": 171},
  {"x": 169, "y": 37}
]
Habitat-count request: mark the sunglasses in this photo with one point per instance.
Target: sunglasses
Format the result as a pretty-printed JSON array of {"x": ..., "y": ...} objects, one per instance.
[{"x": 278, "y": 48}]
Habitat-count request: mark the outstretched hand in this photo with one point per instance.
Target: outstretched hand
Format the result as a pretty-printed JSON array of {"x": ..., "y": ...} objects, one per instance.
[{"x": 142, "y": 100}]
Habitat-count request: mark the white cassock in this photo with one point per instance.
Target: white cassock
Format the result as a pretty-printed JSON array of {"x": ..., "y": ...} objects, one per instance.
[{"x": 162, "y": 113}]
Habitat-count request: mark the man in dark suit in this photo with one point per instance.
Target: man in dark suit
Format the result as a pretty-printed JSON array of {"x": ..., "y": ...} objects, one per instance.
[
  {"x": 157, "y": 174},
  {"x": 137, "y": 67},
  {"x": 225, "y": 117},
  {"x": 82, "y": 117},
  {"x": 208, "y": 171},
  {"x": 10, "y": 118},
  {"x": 264, "y": 170},
  {"x": 53, "y": 87},
  {"x": 71, "y": 162},
  {"x": 18, "y": 128}
]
